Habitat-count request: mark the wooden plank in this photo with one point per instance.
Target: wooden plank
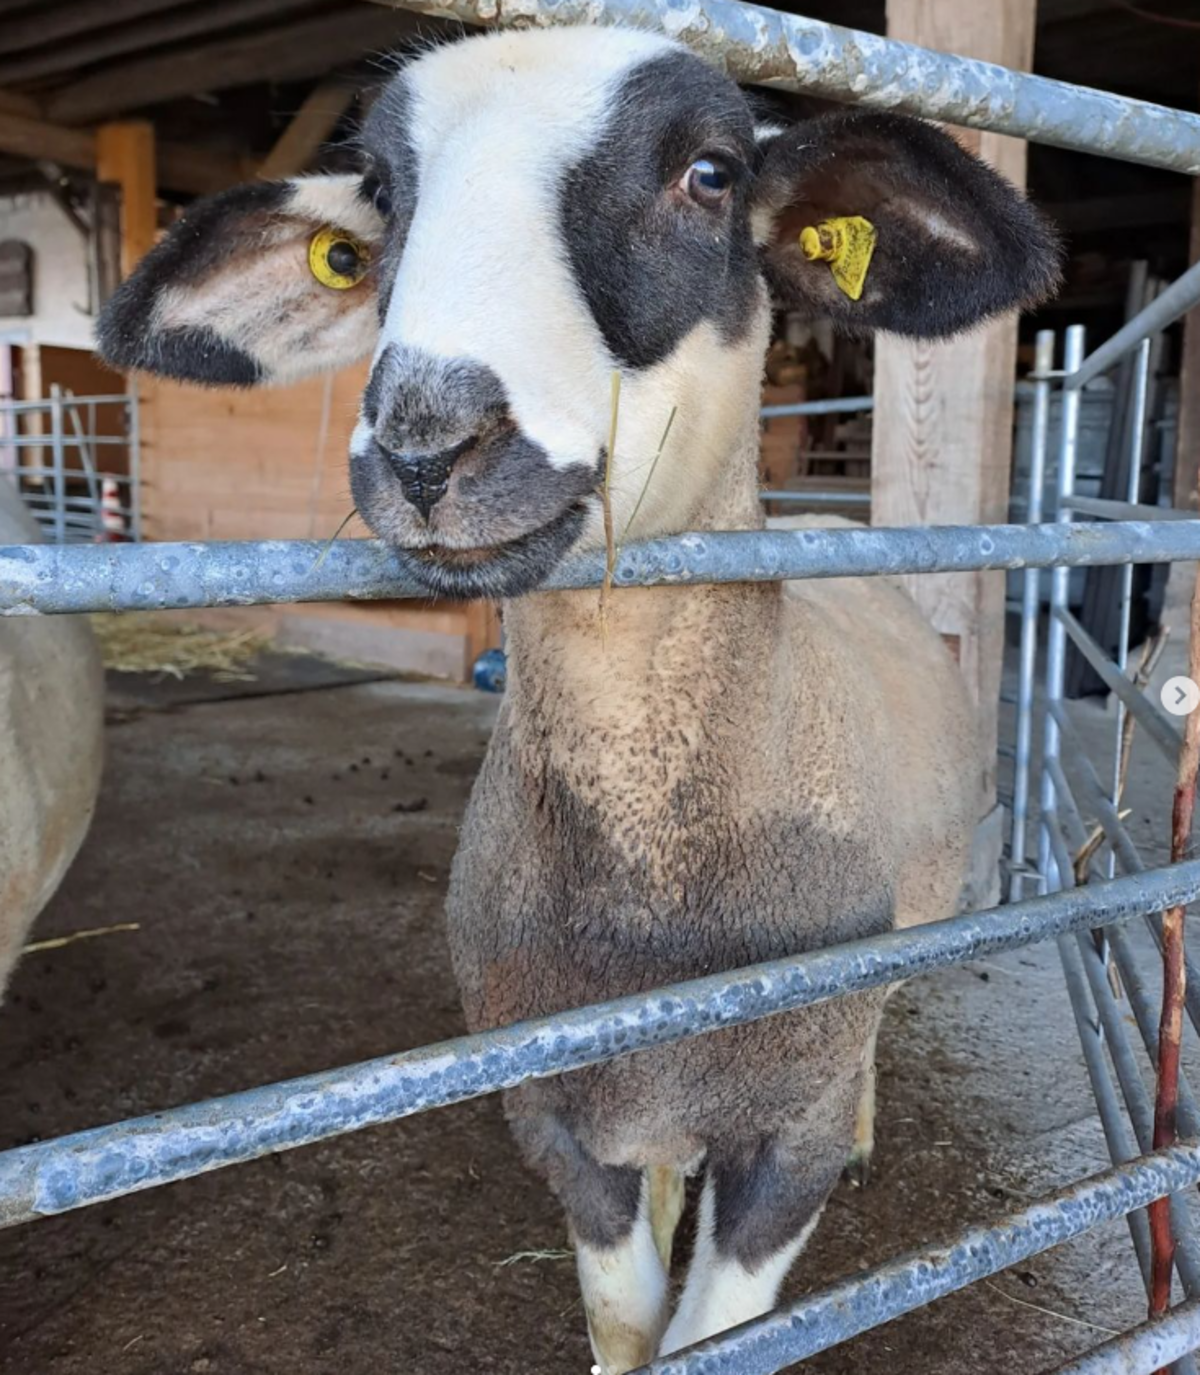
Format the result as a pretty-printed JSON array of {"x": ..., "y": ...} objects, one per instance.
[
  {"x": 103, "y": 44},
  {"x": 942, "y": 435},
  {"x": 125, "y": 158},
  {"x": 45, "y": 24},
  {"x": 26, "y": 137},
  {"x": 180, "y": 167},
  {"x": 311, "y": 125},
  {"x": 289, "y": 53}
]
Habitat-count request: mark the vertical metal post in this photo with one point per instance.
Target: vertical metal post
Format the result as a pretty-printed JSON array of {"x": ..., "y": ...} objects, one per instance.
[
  {"x": 1139, "y": 384},
  {"x": 1060, "y": 582},
  {"x": 59, "y": 468},
  {"x": 1043, "y": 364},
  {"x": 133, "y": 410}
]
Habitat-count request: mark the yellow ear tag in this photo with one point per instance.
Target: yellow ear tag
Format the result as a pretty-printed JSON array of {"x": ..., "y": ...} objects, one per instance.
[
  {"x": 846, "y": 244},
  {"x": 338, "y": 259}
]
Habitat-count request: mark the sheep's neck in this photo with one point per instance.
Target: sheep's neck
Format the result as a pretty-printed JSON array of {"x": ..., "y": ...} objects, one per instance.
[{"x": 653, "y": 674}]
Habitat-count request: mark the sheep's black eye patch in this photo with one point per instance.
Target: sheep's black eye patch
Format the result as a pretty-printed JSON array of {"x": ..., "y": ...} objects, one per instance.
[{"x": 653, "y": 265}]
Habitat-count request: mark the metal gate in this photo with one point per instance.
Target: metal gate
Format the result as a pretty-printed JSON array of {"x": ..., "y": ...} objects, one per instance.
[
  {"x": 75, "y": 462},
  {"x": 56, "y": 1176}
]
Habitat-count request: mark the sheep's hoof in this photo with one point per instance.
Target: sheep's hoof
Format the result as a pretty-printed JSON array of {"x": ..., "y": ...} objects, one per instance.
[{"x": 858, "y": 1169}]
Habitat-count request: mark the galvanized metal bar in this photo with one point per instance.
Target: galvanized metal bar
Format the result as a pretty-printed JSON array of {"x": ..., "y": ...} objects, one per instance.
[
  {"x": 106, "y": 1162},
  {"x": 133, "y": 404},
  {"x": 1056, "y": 644},
  {"x": 1145, "y": 1349},
  {"x": 1030, "y": 601},
  {"x": 790, "y": 52},
  {"x": 816, "y": 498},
  {"x": 58, "y": 462},
  {"x": 1137, "y": 1100},
  {"x": 1089, "y": 958},
  {"x": 1121, "y": 1146},
  {"x": 1145, "y": 1010},
  {"x": 1139, "y": 386},
  {"x": 1104, "y": 509},
  {"x": 41, "y": 404},
  {"x": 1126, "y": 851},
  {"x": 1164, "y": 310},
  {"x": 836, "y": 406},
  {"x": 853, "y": 1306},
  {"x": 133, "y": 577},
  {"x": 1156, "y": 723}
]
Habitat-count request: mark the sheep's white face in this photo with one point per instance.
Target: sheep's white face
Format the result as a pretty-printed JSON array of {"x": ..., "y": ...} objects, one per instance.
[
  {"x": 538, "y": 213},
  {"x": 560, "y": 209}
]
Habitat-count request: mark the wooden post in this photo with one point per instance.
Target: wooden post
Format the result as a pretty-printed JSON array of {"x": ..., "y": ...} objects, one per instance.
[
  {"x": 125, "y": 157},
  {"x": 942, "y": 434}
]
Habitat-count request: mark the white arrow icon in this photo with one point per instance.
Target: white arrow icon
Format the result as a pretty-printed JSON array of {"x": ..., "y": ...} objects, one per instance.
[{"x": 1180, "y": 696}]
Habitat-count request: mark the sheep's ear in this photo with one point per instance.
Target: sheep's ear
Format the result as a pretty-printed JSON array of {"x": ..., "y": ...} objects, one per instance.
[
  {"x": 264, "y": 283},
  {"x": 883, "y": 222}
]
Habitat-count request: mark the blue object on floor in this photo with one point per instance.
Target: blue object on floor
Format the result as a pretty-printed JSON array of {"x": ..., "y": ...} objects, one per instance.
[{"x": 491, "y": 671}]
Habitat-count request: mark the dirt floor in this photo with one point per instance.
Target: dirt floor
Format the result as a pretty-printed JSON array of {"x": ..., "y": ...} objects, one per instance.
[{"x": 284, "y": 848}]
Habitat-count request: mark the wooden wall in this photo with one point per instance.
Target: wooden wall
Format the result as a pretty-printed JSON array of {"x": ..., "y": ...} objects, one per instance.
[{"x": 271, "y": 464}]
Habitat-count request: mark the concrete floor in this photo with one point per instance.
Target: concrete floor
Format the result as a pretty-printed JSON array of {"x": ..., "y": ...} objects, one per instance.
[{"x": 285, "y": 857}]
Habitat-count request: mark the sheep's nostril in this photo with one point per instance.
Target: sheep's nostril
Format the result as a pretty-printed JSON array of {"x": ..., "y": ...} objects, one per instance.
[{"x": 425, "y": 478}]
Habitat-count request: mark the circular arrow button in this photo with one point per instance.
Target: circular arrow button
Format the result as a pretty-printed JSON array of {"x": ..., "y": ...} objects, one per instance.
[{"x": 1180, "y": 696}]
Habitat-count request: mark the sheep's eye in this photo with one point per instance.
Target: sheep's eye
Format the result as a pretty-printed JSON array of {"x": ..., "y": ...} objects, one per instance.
[{"x": 707, "y": 181}]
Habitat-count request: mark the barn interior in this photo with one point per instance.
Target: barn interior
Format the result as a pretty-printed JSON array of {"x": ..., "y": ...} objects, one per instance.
[{"x": 275, "y": 832}]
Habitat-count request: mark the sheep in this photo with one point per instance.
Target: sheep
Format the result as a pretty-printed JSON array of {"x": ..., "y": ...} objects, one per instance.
[
  {"x": 700, "y": 778},
  {"x": 51, "y": 747}
]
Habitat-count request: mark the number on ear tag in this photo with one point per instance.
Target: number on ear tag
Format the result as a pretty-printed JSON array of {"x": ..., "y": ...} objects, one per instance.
[{"x": 846, "y": 244}]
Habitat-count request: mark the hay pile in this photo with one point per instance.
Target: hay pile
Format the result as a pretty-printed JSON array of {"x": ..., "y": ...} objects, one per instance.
[{"x": 141, "y": 642}]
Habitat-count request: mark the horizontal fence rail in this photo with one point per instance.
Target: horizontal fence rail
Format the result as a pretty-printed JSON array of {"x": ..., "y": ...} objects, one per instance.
[
  {"x": 105, "y": 1162},
  {"x": 793, "y": 53},
  {"x": 1147, "y": 1348},
  {"x": 49, "y": 579},
  {"x": 853, "y": 1306}
]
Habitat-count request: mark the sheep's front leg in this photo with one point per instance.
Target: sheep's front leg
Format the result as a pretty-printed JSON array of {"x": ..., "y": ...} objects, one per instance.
[
  {"x": 858, "y": 1166},
  {"x": 760, "y": 1204},
  {"x": 624, "y": 1289},
  {"x": 609, "y": 1213}
]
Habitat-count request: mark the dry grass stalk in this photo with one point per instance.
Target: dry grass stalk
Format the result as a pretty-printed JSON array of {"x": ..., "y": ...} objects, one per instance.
[
  {"x": 610, "y": 546},
  {"x": 1151, "y": 653},
  {"x": 140, "y": 642},
  {"x": 57, "y": 942},
  {"x": 1170, "y": 1027},
  {"x": 329, "y": 543}
]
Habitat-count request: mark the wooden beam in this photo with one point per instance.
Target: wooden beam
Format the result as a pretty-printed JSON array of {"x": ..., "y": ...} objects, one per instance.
[
  {"x": 46, "y": 24},
  {"x": 174, "y": 26},
  {"x": 311, "y": 125},
  {"x": 310, "y": 48},
  {"x": 35, "y": 139},
  {"x": 125, "y": 158},
  {"x": 180, "y": 166},
  {"x": 942, "y": 444}
]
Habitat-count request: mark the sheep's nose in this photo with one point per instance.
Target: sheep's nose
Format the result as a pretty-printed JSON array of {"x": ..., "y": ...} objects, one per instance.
[{"x": 425, "y": 478}]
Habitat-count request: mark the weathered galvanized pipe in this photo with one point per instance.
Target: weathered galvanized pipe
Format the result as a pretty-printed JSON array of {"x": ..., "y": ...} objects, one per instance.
[
  {"x": 1156, "y": 723},
  {"x": 1121, "y": 1147},
  {"x": 792, "y": 53},
  {"x": 106, "y": 1162},
  {"x": 45, "y": 579},
  {"x": 834, "y": 406},
  {"x": 1145, "y": 1349},
  {"x": 1164, "y": 310},
  {"x": 833, "y": 1315}
]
